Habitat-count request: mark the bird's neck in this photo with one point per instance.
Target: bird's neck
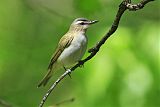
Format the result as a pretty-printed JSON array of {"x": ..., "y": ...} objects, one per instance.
[{"x": 77, "y": 30}]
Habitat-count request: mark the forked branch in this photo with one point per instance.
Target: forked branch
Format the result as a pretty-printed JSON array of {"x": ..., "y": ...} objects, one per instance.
[{"x": 126, "y": 4}]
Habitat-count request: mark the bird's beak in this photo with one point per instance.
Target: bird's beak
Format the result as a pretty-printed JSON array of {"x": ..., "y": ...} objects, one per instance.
[{"x": 93, "y": 21}]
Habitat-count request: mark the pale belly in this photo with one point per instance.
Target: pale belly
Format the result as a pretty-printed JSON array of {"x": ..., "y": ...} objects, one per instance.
[{"x": 74, "y": 52}]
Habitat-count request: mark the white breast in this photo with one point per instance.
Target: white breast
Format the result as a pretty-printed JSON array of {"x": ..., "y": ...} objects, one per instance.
[{"x": 75, "y": 51}]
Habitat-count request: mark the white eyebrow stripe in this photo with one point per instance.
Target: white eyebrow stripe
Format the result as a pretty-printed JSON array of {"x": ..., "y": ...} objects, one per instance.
[{"x": 78, "y": 22}]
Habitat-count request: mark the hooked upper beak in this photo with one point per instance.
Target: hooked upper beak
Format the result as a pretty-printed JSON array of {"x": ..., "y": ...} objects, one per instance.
[{"x": 93, "y": 21}]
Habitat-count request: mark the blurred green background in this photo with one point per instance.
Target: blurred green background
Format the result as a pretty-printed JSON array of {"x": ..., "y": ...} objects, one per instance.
[{"x": 125, "y": 72}]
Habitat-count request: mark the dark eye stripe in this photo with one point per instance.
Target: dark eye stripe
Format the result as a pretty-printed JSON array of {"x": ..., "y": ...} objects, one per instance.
[{"x": 82, "y": 23}]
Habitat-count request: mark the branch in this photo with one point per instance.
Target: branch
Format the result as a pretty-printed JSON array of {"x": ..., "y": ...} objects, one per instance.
[
  {"x": 4, "y": 103},
  {"x": 126, "y": 4},
  {"x": 138, "y": 6},
  {"x": 63, "y": 102}
]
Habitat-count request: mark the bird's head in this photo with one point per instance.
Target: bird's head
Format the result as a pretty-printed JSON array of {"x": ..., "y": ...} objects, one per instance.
[{"x": 81, "y": 24}]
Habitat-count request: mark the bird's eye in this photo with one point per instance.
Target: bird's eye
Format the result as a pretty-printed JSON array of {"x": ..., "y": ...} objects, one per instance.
[{"x": 82, "y": 23}]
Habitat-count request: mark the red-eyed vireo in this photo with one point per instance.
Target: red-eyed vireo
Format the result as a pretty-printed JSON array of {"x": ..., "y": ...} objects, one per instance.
[{"x": 70, "y": 49}]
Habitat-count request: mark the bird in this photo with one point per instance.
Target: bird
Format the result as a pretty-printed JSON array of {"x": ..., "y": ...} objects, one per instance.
[{"x": 70, "y": 49}]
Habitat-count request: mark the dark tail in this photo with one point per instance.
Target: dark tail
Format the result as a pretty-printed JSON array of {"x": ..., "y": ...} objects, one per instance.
[{"x": 46, "y": 78}]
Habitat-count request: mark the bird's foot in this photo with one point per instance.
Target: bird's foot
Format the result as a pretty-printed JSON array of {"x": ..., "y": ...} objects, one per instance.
[
  {"x": 64, "y": 68},
  {"x": 94, "y": 49},
  {"x": 69, "y": 73},
  {"x": 81, "y": 63}
]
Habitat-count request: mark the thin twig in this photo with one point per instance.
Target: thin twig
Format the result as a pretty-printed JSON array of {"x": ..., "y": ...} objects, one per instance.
[
  {"x": 126, "y": 4},
  {"x": 4, "y": 103},
  {"x": 63, "y": 102},
  {"x": 53, "y": 86},
  {"x": 38, "y": 5}
]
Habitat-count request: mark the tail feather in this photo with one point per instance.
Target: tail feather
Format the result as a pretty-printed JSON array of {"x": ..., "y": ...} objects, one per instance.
[{"x": 46, "y": 78}]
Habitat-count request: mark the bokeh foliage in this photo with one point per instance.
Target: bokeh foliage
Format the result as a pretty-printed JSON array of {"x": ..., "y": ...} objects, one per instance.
[{"x": 125, "y": 72}]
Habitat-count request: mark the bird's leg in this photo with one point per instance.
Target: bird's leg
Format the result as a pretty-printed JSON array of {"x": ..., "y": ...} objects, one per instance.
[
  {"x": 66, "y": 70},
  {"x": 81, "y": 63}
]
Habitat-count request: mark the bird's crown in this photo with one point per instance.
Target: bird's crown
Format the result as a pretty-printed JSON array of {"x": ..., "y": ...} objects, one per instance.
[{"x": 81, "y": 24}]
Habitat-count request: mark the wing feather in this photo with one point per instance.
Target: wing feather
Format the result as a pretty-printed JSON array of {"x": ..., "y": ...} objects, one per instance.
[{"x": 65, "y": 42}]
